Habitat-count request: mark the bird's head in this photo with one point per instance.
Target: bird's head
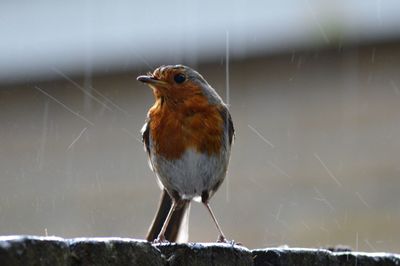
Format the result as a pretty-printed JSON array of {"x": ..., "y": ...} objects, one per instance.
[{"x": 177, "y": 83}]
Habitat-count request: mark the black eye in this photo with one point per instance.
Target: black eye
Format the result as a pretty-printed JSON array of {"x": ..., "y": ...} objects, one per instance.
[{"x": 179, "y": 78}]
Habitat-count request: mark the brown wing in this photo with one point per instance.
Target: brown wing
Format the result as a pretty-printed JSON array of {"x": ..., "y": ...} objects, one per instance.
[{"x": 226, "y": 116}]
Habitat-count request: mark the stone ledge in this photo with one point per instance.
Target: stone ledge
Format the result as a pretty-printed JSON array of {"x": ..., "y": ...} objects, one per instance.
[{"x": 55, "y": 251}]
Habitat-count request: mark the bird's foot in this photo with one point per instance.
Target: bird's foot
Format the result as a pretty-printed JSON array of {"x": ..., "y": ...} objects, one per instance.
[
  {"x": 222, "y": 239},
  {"x": 161, "y": 240}
]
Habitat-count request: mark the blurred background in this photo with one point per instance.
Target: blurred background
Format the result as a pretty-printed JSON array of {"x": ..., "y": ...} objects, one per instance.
[{"x": 313, "y": 88}]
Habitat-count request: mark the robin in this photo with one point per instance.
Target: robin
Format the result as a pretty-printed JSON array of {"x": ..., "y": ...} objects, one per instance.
[{"x": 187, "y": 135}]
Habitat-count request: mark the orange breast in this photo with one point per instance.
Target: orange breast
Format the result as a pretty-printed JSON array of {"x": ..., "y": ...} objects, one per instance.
[{"x": 194, "y": 124}]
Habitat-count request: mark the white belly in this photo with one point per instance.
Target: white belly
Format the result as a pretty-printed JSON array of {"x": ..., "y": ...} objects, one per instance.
[{"x": 192, "y": 174}]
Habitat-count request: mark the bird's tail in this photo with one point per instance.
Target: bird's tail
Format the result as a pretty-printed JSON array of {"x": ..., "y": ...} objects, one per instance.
[{"x": 177, "y": 229}]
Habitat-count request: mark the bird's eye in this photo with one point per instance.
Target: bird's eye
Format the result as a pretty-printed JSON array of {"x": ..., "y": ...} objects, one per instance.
[{"x": 179, "y": 78}]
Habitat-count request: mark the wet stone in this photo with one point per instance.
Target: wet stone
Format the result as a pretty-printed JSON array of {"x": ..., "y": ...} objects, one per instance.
[
  {"x": 114, "y": 251},
  {"x": 302, "y": 256},
  {"x": 32, "y": 250},
  {"x": 206, "y": 254},
  {"x": 55, "y": 251}
]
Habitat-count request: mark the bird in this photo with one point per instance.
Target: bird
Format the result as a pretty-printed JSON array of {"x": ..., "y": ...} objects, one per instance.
[{"x": 188, "y": 136}]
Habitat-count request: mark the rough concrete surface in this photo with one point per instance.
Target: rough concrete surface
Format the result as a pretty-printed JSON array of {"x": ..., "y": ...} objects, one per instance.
[{"x": 55, "y": 251}]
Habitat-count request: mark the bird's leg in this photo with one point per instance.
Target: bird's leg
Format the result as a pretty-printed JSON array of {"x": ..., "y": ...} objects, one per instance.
[
  {"x": 161, "y": 237},
  {"x": 221, "y": 237}
]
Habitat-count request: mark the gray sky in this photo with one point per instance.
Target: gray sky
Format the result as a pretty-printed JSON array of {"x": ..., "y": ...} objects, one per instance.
[{"x": 81, "y": 36}]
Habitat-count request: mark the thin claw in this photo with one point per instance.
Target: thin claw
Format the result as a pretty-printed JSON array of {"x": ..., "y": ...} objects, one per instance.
[
  {"x": 160, "y": 240},
  {"x": 222, "y": 239}
]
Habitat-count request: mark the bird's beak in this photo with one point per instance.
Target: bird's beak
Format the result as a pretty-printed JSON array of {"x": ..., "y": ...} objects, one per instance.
[{"x": 151, "y": 81}]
